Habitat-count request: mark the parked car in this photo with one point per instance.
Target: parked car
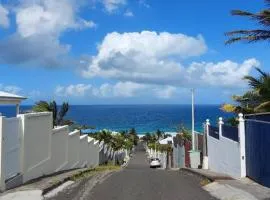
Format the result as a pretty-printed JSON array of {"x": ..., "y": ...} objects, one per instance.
[{"x": 154, "y": 163}]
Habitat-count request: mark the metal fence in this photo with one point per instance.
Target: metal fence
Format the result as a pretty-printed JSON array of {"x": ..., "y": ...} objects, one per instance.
[
  {"x": 230, "y": 132},
  {"x": 214, "y": 132},
  {"x": 257, "y": 148}
]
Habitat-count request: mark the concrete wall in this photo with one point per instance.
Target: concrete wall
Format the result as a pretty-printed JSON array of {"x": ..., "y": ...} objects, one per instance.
[
  {"x": 59, "y": 149},
  {"x": 73, "y": 150},
  {"x": 36, "y": 144},
  {"x": 84, "y": 151},
  {"x": 41, "y": 149},
  {"x": 225, "y": 155}
]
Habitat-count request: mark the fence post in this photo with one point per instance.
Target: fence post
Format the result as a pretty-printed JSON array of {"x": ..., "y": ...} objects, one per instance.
[
  {"x": 220, "y": 123},
  {"x": 242, "y": 142},
  {"x": 205, "y": 150}
]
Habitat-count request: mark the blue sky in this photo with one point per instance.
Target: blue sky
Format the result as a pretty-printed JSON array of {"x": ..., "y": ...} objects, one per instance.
[{"x": 126, "y": 51}]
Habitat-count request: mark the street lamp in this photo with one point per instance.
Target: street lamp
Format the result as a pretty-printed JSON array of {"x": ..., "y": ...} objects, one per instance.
[
  {"x": 194, "y": 154},
  {"x": 193, "y": 119}
]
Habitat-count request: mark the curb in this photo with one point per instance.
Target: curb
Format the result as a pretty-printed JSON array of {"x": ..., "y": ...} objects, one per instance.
[
  {"x": 60, "y": 182},
  {"x": 204, "y": 176}
]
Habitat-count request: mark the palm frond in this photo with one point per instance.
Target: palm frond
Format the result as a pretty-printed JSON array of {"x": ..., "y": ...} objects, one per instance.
[
  {"x": 263, "y": 107},
  {"x": 264, "y": 74},
  {"x": 253, "y": 82}
]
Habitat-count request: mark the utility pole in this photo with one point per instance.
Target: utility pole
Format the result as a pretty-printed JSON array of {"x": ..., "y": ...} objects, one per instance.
[{"x": 193, "y": 120}]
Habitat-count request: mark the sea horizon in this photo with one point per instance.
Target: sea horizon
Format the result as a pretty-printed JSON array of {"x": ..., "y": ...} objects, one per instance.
[{"x": 143, "y": 117}]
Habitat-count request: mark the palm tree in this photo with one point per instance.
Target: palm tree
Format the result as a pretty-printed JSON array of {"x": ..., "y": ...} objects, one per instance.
[
  {"x": 255, "y": 100},
  {"x": 58, "y": 116},
  {"x": 159, "y": 134},
  {"x": 262, "y": 18}
]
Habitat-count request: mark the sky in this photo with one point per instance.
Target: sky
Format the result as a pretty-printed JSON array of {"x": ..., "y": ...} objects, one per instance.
[{"x": 126, "y": 51}]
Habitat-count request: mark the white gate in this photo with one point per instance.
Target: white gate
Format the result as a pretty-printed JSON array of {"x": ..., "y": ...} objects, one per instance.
[{"x": 12, "y": 146}]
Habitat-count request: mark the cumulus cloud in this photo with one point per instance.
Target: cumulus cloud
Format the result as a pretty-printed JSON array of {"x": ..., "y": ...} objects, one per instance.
[
  {"x": 146, "y": 57},
  {"x": 78, "y": 90},
  {"x": 119, "y": 89},
  {"x": 113, "y": 5},
  {"x": 39, "y": 26},
  {"x": 156, "y": 58},
  {"x": 4, "y": 20}
]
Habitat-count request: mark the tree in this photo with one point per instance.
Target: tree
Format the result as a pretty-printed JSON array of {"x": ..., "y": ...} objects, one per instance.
[
  {"x": 255, "y": 35},
  {"x": 159, "y": 134},
  {"x": 255, "y": 100},
  {"x": 58, "y": 116}
]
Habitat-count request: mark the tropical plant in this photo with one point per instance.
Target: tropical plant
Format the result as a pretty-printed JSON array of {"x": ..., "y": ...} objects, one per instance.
[
  {"x": 58, "y": 116},
  {"x": 255, "y": 35},
  {"x": 255, "y": 100},
  {"x": 159, "y": 134},
  {"x": 122, "y": 140}
]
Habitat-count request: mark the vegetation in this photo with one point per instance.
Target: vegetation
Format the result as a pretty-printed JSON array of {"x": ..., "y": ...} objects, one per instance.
[
  {"x": 93, "y": 171},
  {"x": 118, "y": 141},
  {"x": 255, "y": 100},
  {"x": 58, "y": 116},
  {"x": 152, "y": 139},
  {"x": 255, "y": 35}
]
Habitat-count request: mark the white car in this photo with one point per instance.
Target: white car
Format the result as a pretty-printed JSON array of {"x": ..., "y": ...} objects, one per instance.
[{"x": 155, "y": 162}]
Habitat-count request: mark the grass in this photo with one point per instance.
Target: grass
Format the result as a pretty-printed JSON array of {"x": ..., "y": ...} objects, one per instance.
[
  {"x": 205, "y": 182},
  {"x": 93, "y": 171}
]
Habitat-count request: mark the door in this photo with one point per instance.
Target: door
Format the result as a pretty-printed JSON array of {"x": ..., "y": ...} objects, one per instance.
[{"x": 12, "y": 146}]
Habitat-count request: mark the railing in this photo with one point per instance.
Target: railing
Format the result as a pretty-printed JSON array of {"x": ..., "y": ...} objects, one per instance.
[
  {"x": 230, "y": 132},
  {"x": 214, "y": 132}
]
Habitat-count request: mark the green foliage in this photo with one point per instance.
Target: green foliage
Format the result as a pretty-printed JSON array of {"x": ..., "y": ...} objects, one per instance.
[
  {"x": 58, "y": 117},
  {"x": 232, "y": 121},
  {"x": 255, "y": 35},
  {"x": 255, "y": 100},
  {"x": 185, "y": 134},
  {"x": 160, "y": 147},
  {"x": 122, "y": 140}
]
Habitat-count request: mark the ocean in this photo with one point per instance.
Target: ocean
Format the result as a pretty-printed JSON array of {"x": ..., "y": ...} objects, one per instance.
[{"x": 144, "y": 118}]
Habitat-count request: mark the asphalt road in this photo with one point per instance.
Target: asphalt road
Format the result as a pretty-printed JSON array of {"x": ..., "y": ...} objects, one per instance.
[{"x": 138, "y": 182}]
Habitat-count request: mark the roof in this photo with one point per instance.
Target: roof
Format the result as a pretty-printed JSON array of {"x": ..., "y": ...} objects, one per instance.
[
  {"x": 166, "y": 140},
  {"x": 9, "y": 98}
]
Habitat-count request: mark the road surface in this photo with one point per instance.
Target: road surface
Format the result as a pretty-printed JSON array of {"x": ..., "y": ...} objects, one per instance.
[{"x": 138, "y": 182}]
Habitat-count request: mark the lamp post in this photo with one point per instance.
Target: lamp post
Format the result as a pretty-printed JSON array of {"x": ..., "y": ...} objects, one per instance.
[
  {"x": 194, "y": 154},
  {"x": 193, "y": 119}
]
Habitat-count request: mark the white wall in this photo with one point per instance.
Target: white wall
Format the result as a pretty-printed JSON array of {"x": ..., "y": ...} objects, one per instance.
[
  {"x": 36, "y": 144},
  {"x": 42, "y": 150},
  {"x": 224, "y": 156},
  {"x": 59, "y": 149},
  {"x": 73, "y": 150},
  {"x": 93, "y": 152},
  {"x": 84, "y": 150}
]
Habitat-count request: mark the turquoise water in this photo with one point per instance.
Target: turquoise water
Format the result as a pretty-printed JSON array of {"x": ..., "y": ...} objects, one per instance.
[{"x": 145, "y": 118}]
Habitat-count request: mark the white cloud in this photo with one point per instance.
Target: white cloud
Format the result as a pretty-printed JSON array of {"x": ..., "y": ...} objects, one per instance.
[
  {"x": 113, "y": 5},
  {"x": 78, "y": 90},
  {"x": 48, "y": 17},
  {"x": 40, "y": 25},
  {"x": 10, "y": 88},
  {"x": 119, "y": 89},
  {"x": 156, "y": 58},
  {"x": 4, "y": 20},
  {"x": 165, "y": 93},
  {"x": 128, "y": 13}
]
